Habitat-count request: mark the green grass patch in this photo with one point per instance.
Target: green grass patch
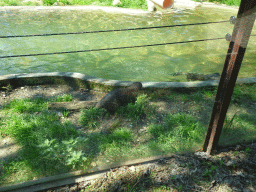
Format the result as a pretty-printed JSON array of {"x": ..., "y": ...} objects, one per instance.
[
  {"x": 27, "y": 105},
  {"x": 89, "y": 117},
  {"x": 63, "y": 98},
  {"x": 244, "y": 93},
  {"x": 37, "y": 104},
  {"x": 227, "y": 2},
  {"x": 135, "y": 4},
  {"x": 10, "y": 2},
  {"x": 49, "y": 147},
  {"x": 137, "y": 110},
  {"x": 178, "y": 133}
]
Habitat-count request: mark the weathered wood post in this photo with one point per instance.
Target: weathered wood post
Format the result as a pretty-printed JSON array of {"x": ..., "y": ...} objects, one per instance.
[{"x": 240, "y": 37}]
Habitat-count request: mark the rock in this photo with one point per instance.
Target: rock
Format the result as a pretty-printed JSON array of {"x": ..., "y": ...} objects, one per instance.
[
  {"x": 202, "y": 77},
  {"x": 151, "y": 6},
  {"x": 116, "y": 2},
  {"x": 119, "y": 97}
]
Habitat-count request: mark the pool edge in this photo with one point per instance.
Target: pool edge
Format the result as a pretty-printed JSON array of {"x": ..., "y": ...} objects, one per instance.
[{"x": 80, "y": 80}]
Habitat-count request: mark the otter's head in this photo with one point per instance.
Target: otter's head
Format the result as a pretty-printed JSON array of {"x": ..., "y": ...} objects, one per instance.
[{"x": 136, "y": 85}]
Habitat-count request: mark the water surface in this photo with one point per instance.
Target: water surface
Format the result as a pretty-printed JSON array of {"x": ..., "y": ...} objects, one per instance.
[{"x": 137, "y": 64}]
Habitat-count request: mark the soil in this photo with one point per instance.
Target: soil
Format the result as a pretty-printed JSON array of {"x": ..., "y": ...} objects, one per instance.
[{"x": 229, "y": 169}]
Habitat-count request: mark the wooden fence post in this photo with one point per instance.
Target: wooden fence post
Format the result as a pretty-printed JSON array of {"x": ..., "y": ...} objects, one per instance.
[{"x": 240, "y": 37}]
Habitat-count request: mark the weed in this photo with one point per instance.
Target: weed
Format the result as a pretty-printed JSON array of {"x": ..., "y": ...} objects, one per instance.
[
  {"x": 164, "y": 187},
  {"x": 178, "y": 97},
  {"x": 48, "y": 2},
  {"x": 64, "y": 151},
  {"x": 208, "y": 172},
  {"x": 7, "y": 88},
  {"x": 243, "y": 93},
  {"x": 184, "y": 126},
  {"x": 27, "y": 105},
  {"x": 209, "y": 94},
  {"x": 156, "y": 130},
  {"x": 117, "y": 145},
  {"x": 247, "y": 150},
  {"x": 51, "y": 147},
  {"x": 137, "y": 110},
  {"x": 228, "y": 123},
  {"x": 89, "y": 117},
  {"x": 64, "y": 112},
  {"x": 227, "y": 2},
  {"x": 235, "y": 153},
  {"x": 63, "y": 98},
  {"x": 197, "y": 96},
  {"x": 177, "y": 130}
]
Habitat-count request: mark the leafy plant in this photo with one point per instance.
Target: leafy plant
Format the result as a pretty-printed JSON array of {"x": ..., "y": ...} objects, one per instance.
[
  {"x": 64, "y": 98},
  {"x": 137, "y": 110},
  {"x": 89, "y": 117},
  {"x": 228, "y": 123},
  {"x": 27, "y": 105},
  {"x": 208, "y": 172},
  {"x": 64, "y": 151},
  {"x": 228, "y": 2},
  {"x": 247, "y": 150},
  {"x": 48, "y": 2}
]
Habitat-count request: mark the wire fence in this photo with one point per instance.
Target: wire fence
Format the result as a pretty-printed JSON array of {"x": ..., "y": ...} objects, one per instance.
[
  {"x": 115, "y": 30},
  {"x": 231, "y": 20},
  {"x": 106, "y": 49}
]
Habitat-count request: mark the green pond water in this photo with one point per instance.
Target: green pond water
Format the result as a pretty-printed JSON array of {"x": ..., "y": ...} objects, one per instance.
[{"x": 156, "y": 63}]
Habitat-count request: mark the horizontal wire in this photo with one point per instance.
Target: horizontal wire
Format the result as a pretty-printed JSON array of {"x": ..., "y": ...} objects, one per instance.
[
  {"x": 106, "y": 49},
  {"x": 102, "y": 31}
]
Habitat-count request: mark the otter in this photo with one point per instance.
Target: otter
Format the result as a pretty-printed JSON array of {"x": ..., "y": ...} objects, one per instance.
[{"x": 119, "y": 97}]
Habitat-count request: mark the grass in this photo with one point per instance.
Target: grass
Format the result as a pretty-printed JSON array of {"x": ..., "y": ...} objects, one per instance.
[
  {"x": 90, "y": 117},
  {"x": 227, "y": 2},
  {"x": 52, "y": 145},
  {"x": 135, "y": 4}
]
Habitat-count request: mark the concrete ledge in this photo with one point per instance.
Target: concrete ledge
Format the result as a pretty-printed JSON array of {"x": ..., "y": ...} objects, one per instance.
[{"x": 78, "y": 80}]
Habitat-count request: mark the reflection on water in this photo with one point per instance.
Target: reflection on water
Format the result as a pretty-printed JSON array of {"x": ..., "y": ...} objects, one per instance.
[{"x": 137, "y": 64}]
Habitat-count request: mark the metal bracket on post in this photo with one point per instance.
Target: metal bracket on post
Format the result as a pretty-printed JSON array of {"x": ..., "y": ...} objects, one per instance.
[
  {"x": 239, "y": 40},
  {"x": 232, "y": 20}
]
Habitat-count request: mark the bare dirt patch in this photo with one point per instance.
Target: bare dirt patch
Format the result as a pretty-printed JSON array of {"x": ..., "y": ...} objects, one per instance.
[{"x": 230, "y": 169}]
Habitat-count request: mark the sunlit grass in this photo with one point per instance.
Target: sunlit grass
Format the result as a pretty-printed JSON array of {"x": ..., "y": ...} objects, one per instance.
[
  {"x": 63, "y": 98},
  {"x": 227, "y": 2},
  {"x": 135, "y": 4},
  {"x": 27, "y": 105},
  {"x": 89, "y": 117},
  {"x": 137, "y": 110}
]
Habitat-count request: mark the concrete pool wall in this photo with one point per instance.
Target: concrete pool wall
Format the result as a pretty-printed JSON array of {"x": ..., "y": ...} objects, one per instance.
[{"x": 84, "y": 81}]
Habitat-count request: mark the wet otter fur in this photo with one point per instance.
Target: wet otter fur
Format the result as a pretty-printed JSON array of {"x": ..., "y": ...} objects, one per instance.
[{"x": 119, "y": 97}]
